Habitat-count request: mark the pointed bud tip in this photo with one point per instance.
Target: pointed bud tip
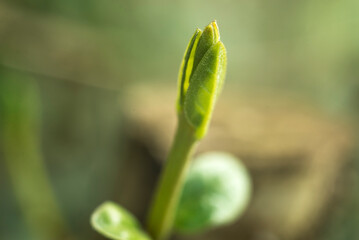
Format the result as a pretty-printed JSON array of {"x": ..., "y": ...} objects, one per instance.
[
  {"x": 216, "y": 30},
  {"x": 213, "y": 26},
  {"x": 214, "y": 23}
]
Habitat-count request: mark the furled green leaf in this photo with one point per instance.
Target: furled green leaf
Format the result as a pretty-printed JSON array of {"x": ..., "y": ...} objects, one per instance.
[
  {"x": 201, "y": 77},
  {"x": 216, "y": 192},
  {"x": 205, "y": 84},
  {"x": 115, "y": 222},
  {"x": 186, "y": 67},
  {"x": 209, "y": 37}
]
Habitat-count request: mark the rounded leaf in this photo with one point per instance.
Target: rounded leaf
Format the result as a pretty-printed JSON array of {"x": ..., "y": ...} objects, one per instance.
[
  {"x": 115, "y": 222},
  {"x": 217, "y": 191}
]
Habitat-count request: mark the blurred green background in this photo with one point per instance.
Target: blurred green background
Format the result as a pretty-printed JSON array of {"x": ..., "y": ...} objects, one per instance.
[{"x": 66, "y": 67}]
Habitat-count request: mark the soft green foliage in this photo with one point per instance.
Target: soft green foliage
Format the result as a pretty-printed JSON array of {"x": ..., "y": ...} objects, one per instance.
[
  {"x": 217, "y": 191},
  {"x": 201, "y": 78},
  {"x": 117, "y": 223}
]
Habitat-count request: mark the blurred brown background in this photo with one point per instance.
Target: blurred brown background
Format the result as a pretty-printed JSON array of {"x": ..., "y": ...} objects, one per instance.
[{"x": 87, "y": 96}]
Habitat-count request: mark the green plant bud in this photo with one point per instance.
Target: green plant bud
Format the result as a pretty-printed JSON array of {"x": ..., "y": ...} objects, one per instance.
[
  {"x": 115, "y": 222},
  {"x": 201, "y": 77},
  {"x": 217, "y": 191}
]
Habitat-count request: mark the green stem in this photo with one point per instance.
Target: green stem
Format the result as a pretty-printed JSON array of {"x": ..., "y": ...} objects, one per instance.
[{"x": 164, "y": 205}]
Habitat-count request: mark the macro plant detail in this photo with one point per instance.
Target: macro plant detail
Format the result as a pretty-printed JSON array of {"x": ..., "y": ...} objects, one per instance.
[
  {"x": 141, "y": 121},
  {"x": 200, "y": 82}
]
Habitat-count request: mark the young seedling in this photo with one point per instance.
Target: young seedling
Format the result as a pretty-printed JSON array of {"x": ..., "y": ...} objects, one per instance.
[{"x": 200, "y": 81}]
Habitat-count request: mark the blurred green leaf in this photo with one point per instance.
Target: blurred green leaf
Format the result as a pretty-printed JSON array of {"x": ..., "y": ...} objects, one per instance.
[
  {"x": 216, "y": 192},
  {"x": 115, "y": 222}
]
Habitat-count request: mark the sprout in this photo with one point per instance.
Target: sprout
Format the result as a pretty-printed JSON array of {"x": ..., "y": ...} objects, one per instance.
[{"x": 200, "y": 80}]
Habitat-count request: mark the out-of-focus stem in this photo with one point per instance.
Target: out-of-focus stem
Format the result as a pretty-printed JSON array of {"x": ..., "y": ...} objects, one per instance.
[{"x": 19, "y": 124}]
